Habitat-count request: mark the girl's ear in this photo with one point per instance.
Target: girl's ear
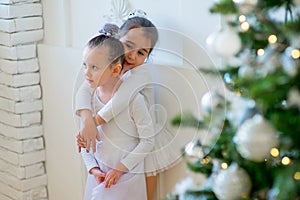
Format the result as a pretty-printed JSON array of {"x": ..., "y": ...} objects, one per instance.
[{"x": 117, "y": 69}]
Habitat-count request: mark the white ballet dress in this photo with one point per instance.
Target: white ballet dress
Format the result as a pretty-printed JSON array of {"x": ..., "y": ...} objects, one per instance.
[
  {"x": 138, "y": 80},
  {"x": 127, "y": 138}
]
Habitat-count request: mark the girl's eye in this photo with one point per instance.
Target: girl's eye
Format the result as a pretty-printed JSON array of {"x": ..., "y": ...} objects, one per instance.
[
  {"x": 141, "y": 53},
  {"x": 129, "y": 46},
  {"x": 84, "y": 66},
  {"x": 94, "y": 68}
]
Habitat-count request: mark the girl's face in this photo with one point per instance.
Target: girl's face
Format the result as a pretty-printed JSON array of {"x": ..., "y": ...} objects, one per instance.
[
  {"x": 137, "y": 48},
  {"x": 97, "y": 68}
]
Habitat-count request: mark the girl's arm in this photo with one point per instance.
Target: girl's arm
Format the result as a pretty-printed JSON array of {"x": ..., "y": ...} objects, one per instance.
[
  {"x": 142, "y": 119},
  {"x": 83, "y": 108},
  {"x": 83, "y": 98},
  {"x": 143, "y": 122},
  {"x": 139, "y": 78},
  {"x": 89, "y": 159}
]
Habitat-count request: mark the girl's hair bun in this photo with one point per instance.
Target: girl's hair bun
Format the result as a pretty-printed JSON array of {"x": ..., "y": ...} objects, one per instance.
[{"x": 109, "y": 30}]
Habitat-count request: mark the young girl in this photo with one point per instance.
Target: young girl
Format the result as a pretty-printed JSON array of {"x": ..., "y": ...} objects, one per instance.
[
  {"x": 116, "y": 168},
  {"x": 139, "y": 36}
]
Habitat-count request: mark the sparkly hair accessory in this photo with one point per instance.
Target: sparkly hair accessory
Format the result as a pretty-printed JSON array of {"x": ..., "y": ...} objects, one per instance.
[
  {"x": 109, "y": 30},
  {"x": 137, "y": 13}
]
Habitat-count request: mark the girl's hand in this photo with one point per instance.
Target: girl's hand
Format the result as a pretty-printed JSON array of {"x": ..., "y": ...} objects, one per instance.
[
  {"x": 80, "y": 142},
  {"x": 113, "y": 175},
  {"x": 98, "y": 174},
  {"x": 98, "y": 120},
  {"x": 89, "y": 132}
]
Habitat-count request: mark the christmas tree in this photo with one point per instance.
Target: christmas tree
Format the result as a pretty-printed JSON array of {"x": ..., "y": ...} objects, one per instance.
[{"x": 256, "y": 151}]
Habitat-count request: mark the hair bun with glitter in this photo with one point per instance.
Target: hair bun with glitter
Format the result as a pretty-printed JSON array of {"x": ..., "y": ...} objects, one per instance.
[
  {"x": 109, "y": 30},
  {"x": 137, "y": 13}
]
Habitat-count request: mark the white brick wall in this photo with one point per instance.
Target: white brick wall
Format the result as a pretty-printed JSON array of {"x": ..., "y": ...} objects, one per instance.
[{"x": 22, "y": 151}]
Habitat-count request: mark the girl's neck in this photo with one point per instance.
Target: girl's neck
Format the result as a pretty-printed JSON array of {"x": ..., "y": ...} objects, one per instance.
[{"x": 106, "y": 92}]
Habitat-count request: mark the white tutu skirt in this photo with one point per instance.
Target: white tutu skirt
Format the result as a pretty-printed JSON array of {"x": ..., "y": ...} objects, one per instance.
[{"x": 167, "y": 150}]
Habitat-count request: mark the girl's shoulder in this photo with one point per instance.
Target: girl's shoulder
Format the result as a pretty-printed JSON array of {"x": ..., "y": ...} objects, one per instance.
[
  {"x": 138, "y": 98},
  {"x": 137, "y": 101}
]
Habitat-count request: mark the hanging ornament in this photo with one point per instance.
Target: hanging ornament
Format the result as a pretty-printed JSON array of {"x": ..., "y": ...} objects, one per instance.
[
  {"x": 194, "y": 151},
  {"x": 293, "y": 98},
  {"x": 288, "y": 63},
  {"x": 210, "y": 40},
  {"x": 246, "y": 71},
  {"x": 229, "y": 83},
  {"x": 195, "y": 156},
  {"x": 182, "y": 186},
  {"x": 232, "y": 183},
  {"x": 254, "y": 139},
  {"x": 240, "y": 109},
  {"x": 268, "y": 61},
  {"x": 227, "y": 43},
  {"x": 212, "y": 101},
  {"x": 245, "y": 6}
]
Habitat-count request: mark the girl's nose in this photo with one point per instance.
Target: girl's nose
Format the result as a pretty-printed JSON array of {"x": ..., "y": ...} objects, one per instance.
[
  {"x": 131, "y": 55},
  {"x": 87, "y": 72}
]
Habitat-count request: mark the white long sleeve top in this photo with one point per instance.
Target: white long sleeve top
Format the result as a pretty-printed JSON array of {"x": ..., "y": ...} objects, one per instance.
[{"x": 127, "y": 138}]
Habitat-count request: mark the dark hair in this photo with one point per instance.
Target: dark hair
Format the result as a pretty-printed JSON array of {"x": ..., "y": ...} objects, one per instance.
[
  {"x": 140, "y": 22},
  {"x": 106, "y": 39}
]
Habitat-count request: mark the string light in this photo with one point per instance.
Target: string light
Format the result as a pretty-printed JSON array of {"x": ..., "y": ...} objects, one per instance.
[
  {"x": 272, "y": 39},
  {"x": 205, "y": 160},
  {"x": 238, "y": 93},
  {"x": 286, "y": 160},
  {"x": 242, "y": 18},
  {"x": 297, "y": 176},
  {"x": 274, "y": 152},
  {"x": 245, "y": 26},
  {"x": 224, "y": 165},
  {"x": 260, "y": 52},
  {"x": 295, "y": 53}
]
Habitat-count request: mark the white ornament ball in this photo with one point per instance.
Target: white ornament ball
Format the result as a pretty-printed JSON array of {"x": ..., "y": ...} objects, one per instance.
[
  {"x": 210, "y": 40},
  {"x": 254, "y": 139},
  {"x": 232, "y": 183},
  {"x": 194, "y": 151},
  {"x": 210, "y": 101},
  {"x": 245, "y": 6},
  {"x": 227, "y": 43},
  {"x": 294, "y": 98},
  {"x": 288, "y": 64},
  {"x": 246, "y": 72}
]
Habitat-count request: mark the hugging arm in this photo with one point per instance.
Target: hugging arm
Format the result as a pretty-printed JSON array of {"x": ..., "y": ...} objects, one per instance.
[
  {"x": 138, "y": 79},
  {"x": 142, "y": 119},
  {"x": 143, "y": 122}
]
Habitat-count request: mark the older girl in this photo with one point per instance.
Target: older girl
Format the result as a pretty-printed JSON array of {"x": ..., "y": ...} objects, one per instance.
[{"x": 139, "y": 37}]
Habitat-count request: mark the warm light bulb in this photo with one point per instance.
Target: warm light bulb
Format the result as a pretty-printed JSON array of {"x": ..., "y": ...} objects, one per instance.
[
  {"x": 272, "y": 39},
  {"x": 245, "y": 26},
  {"x": 260, "y": 52},
  {"x": 242, "y": 18},
  {"x": 274, "y": 152},
  {"x": 286, "y": 160},
  {"x": 295, "y": 53},
  {"x": 297, "y": 176},
  {"x": 205, "y": 160},
  {"x": 224, "y": 165}
]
